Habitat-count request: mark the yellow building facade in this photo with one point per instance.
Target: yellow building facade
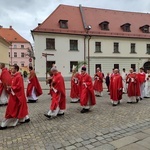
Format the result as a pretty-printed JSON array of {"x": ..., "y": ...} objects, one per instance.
[{"x": 4, "y": 49}]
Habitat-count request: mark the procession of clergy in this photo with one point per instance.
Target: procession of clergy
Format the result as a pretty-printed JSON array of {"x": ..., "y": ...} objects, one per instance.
[{"x": 12, "y": 93}]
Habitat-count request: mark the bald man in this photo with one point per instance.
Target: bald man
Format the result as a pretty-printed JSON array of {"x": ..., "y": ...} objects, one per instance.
[
  {"x": 116, "y": 88},
  {"x": 133, "y": 89}
]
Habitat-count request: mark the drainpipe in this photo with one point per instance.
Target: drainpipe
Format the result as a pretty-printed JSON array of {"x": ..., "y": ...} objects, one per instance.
[{"x": 89, "y": 38}]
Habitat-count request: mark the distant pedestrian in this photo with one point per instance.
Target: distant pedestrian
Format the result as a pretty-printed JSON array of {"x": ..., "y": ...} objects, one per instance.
[
  {"x": 107, "y": 81},
  {"x": 98, "y": 83},
  {"x": 116, "y": 88},
  {"x": 133, "y": 90},
  {"x": 87, "y": 97},
  {"x": 147, "y": 84},
  {"x": 58, "y": 95},
  {"x": 75, "y": 91},
  {"x": 5, "y": 80},
  {"x": 33, "y": 89}
]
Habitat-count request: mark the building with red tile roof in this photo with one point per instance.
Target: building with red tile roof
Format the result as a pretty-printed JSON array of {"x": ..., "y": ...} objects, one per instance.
[
  {"x": 19, "y": 46},
  {"x": 101, "y": 37}
]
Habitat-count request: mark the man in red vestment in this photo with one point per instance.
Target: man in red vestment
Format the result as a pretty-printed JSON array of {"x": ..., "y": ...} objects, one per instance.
[
  {"x": 87, "y": 97},
  {"x": 141, "y": 77},
  {"x": 116, "y": 88},
  {"x": 17, "y": 109},
  {"x": 133, "y": 89},
  {"x": 33, "y": 89},
  {"x": 74, "y": 92},
  {"x": 98, "y": 83},
  {"x": 5, "y": 80},
  {"x": 58, "y": 94}
]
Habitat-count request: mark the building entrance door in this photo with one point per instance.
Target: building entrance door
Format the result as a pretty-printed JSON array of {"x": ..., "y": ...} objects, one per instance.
[{"x": 147, "y": 65}]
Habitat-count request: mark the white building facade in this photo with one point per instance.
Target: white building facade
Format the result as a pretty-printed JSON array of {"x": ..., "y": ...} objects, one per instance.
[{"x": 106, "y": 44}]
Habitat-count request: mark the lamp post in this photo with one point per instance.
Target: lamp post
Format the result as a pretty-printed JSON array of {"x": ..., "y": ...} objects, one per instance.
[{"x": 45, "y": 55}]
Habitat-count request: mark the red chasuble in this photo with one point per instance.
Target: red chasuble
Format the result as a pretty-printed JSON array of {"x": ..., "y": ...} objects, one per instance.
[
  {"x": 141, "y": 77},
  {"x": 98, "y": 83},
  {"x": 17, "y": 105},
  {"x": 5, "y": 79},
  {"x": 87, "y": 91},
  {"x": 33, "y": 83},
  {"x": 58, "y": 92},
  {"x": 74, "y": 93},
  {"x": 133, "y": 85},
  {"x": 116, "y": 87}
]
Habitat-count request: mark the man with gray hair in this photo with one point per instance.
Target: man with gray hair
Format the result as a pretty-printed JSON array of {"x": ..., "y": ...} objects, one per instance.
[{"x": 58, "y": 94}]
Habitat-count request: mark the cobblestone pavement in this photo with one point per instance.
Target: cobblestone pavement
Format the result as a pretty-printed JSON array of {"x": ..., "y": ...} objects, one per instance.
[{"x": 124, "y": 127}]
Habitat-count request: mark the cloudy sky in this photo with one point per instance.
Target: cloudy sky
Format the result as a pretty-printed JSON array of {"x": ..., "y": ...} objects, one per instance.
[{"x": 24, "y": 15}]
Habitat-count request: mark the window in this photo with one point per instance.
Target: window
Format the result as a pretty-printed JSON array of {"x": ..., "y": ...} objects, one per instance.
[
  {"x": 15, "y": 46},
  {"x": 22, "y": 54},
  {"x": 145, "y": 29},
  {"x": 133, "y": 66},
  {"x": 132, "y": 48},
  {"x": 104, "y": 25},
  {"x": 22, "y": 46},
  {"x": 9, "y": 54},
  {"x": 15, "y": 54},
  {"x": 97, "y": 66},
  {"x": 116, "y": 47},
  {"x": 22, "y": 65},
  {"x": 97, "y": 46},
  {"x": 116, "y": 66},
  {"x": 50, "y": 64},
  {"x": 73, "y": 63},
  {"x": 126, "y": 27},
  {"x": 50, "y": 43},
  {"x": 148, "y": 49},
  {"x": 63, "y": 24},
  {"x": 74, "y": 45}
]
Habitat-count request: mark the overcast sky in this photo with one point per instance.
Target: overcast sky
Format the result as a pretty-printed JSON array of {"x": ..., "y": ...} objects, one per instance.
[{"x": 24, "y": 15}]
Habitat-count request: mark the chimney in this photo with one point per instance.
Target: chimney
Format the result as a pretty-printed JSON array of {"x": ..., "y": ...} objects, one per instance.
[
  {"x": 10, "y": 27},
  {"x": 39, "y": 24},
  {"x": 1, "y": 26}
]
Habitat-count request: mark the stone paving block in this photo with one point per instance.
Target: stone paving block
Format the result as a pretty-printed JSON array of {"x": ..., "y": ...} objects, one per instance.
[
  {"x": 86, "y": 142},
  {"x": 79, "y": 139},
  {"x": 146, "y": 131},
  {"x": 144, "y": 143},
  {"x": 140, "y": 135},
  {"x": 96, "y": 144},
  {"x": 82, "y": 148},
  {"x": 99, "y": 138},
  {"x": 133, "y": 147},
  {"x": 124, "y": 141},
  {"x": 93, "y": 140},
  {"x": 89, "y": 146},
  {"x": 104, "y": 147},
  {"x": 78, "y": 145},
  {"x": 71, "y": 148}
]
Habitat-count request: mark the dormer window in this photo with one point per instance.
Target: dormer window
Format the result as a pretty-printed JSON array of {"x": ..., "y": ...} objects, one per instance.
[
  {"x": 63, "y": 24},
  {"x": 104, "y": 25},
  {"x": 126, "y": 27},
  {"x": 145, "y": 29}
]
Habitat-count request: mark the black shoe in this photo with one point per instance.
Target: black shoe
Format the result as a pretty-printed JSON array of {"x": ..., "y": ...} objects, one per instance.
[
  {"x": 141, "y": 98},
  {"x": 60, "y": 114},
  {"x": 3, "y": 128},
  {"x": 114, "y": 104},
  {"x": 46, "y": 115},
  {"x": 137, "y": 100},
  {"x": 118, "y": 102},
  {"x": 84, "y": 110},
  {"x": 74, "y": 102},
  {"x": 129, "y": 102},
  {"x": 27, "y": 120}
]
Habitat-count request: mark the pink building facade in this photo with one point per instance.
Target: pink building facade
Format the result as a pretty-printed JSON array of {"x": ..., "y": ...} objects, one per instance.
[{"x": 19, "y": 54}]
